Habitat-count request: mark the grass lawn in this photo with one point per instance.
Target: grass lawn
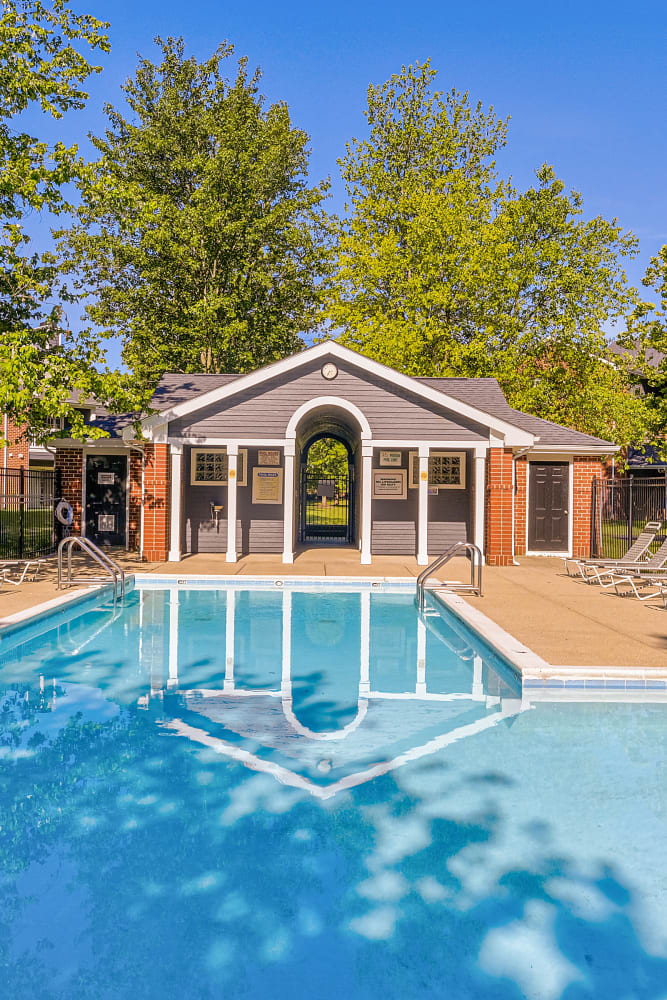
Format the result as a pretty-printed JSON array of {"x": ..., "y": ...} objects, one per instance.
[
  {"x": 615, "y": 538},
  {"x": 331, "y": 514},
  {"x": 37, "y": 533}
]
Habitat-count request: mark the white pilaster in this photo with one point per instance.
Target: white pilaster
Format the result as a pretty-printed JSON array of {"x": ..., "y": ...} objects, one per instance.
[
  {"x": 229, "y": 641},
  {"x": 422, "y": 518},
  {"x": 232, "y": 458},
  {"x": 176, "y": 494},
  {"x": 480, "y": 490},
  {"x": 288, "y": 504},
  {"x": 366, "y": 495}
]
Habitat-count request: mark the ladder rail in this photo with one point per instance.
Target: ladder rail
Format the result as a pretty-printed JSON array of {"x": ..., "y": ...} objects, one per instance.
[
  {"x": 112, "y": 568},
  {"x": 473, "y": 552}
]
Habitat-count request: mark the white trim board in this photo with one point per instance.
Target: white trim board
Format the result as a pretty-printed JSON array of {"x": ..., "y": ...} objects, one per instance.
[{"x": 514, "y": 436}]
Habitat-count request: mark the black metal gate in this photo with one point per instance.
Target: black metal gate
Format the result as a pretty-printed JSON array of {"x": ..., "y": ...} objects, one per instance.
[
  {"x": 619, "y": 510},
  {"x": 27, "y": 522},
  {"x": 326, "y": 508}
]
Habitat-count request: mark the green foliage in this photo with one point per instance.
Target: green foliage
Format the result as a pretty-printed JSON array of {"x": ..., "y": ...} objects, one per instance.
[
  {"x": 41, "y": 68},
  {"x": 327, "y": 457},
  {"x": 198, "y": 239},
  {"x": 444, "y": 268}
]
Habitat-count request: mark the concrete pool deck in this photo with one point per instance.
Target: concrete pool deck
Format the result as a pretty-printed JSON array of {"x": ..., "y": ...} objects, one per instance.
[{"x": 563, "y": 620}]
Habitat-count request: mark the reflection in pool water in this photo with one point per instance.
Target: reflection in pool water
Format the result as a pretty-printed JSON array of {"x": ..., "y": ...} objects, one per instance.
[{"x": 275, "y": 794}]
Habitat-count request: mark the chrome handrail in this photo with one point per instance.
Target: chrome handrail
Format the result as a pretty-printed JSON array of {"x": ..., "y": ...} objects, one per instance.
[
  {"x": 474, "y": 554},
  {"x": 112, "y": 568}
]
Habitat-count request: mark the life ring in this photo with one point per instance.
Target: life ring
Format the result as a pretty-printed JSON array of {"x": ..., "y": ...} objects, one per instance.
[{"x": 64, "y": 513}]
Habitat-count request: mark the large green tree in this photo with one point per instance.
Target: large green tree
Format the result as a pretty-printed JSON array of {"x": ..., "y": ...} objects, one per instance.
[
  {"x": 199, "y": 240},
  {"x": 443, "y": 267},
  {"x": 43, "y": 64}
]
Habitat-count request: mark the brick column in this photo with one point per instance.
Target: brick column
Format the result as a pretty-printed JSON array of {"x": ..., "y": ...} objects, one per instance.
[
  {"x": 499, "y": 506},
  {"x": 18, "y": 445},
  {"x": 584, "y": 470},
  {"x": 134, "y": 486},
  {"x": 70, "y": 463},
  {"x": 156, "y": 502},
  {"x": 520, "y": 512}
]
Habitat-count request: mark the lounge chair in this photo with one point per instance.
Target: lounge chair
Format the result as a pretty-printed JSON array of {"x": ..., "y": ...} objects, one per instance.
[
  {"x": 651, "y": 573},
  {"x": 596, "y": 570},
  {"x": 21, "y": 567}
]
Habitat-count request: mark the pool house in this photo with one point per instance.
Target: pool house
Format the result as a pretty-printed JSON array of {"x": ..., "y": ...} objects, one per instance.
[{"x": 221, "y": 466}]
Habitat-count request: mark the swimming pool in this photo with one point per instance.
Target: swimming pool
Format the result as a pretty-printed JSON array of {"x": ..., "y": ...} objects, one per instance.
[{"x": 272, "y": 792}]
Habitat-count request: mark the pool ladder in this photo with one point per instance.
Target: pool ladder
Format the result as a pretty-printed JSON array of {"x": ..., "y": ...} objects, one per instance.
[
  {"x": 111, "y": 568},
  {"x": 474, "y": 554}
]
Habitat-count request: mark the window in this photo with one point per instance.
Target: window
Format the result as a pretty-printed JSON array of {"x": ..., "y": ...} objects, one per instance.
[
  {"x": 209, "y": 465},
  {"x": 446, "y": 470}
]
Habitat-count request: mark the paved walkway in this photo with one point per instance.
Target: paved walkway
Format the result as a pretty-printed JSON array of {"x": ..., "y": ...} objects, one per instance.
[{"x": 564, "y": 620}]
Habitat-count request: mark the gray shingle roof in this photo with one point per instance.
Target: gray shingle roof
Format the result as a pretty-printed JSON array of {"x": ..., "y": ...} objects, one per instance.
[
  {"x": 486, "y": 395},
  {"x": 173, "y": 389}
]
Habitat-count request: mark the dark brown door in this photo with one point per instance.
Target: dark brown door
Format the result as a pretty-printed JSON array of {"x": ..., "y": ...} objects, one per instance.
[
  {"x": 106, "y": 477},
  {"x": 548, "y": 507}
]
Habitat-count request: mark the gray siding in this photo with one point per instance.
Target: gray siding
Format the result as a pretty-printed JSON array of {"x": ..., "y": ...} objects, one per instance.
[
  {"x": 394, "y": 522},
  {"x": 450, "y": 515},
  {"x": 259, "y": 527},
  {"x": 265, "y": 411}
]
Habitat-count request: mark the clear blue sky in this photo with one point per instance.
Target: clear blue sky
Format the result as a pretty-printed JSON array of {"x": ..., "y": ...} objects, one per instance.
[{"x": 584, "y": 83}]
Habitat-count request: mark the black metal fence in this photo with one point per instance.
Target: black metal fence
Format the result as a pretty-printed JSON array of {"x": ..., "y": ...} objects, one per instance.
[
  {"x": 619, "y": 510},
  {"x": 27, "y": 504},
  {"x": 326, "y": 509}
]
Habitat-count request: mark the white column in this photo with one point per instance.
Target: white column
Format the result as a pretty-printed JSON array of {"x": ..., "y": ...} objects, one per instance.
[
  {"x": 172, "y": 681},
  {"x": 232, "y": 455},
  {"x": 286, "y": 676},
  {"x": 365, "y": 628},
  {"x": 420, "y": 687},
  {"x": 229, "y": 642},
  {"x": 366, "y": 495},
  {"x": 422, "y": 518},
  {"x": 288, "y": 503},
  {"x": 176, "y": 493},
  {"x": 480, "y": 490}
]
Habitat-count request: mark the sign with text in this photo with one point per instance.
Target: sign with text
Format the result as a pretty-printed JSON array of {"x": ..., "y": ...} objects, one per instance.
[
  {"x": 268, "y": 456},
  {"x": 105, "y": 479},
  {"x": 390, "y": 485},
  {"x": 267, "y": 485},
  {"x": 390, "y": 458}
]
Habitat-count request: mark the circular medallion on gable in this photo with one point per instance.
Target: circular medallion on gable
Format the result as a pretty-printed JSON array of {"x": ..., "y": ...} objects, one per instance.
[{"x": 329, "y": 370}]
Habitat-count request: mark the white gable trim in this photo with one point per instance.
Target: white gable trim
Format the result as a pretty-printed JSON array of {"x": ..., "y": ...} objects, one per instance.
[{"x": 513, "y": 435}]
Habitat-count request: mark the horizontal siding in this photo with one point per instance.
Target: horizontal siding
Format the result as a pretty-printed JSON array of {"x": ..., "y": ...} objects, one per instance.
[
  {"x": 203, "y": 535},
  {"x": 265, "y": 536},
  {"x": 442, "y": 534},
  {"x": 391, "y": 412},
  {"x": 393, "y": 538}
]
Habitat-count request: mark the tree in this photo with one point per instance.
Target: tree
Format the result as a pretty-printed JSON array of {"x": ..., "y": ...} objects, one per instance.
[
  {"x": 328, "y": 458},
  {"x": 198, "y": 238},
  {"x": 444, "y": 268},
  {"x": 41, "y": 67}
]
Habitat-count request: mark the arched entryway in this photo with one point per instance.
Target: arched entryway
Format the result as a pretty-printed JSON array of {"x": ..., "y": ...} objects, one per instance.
[{"x": 327, "y": 490}]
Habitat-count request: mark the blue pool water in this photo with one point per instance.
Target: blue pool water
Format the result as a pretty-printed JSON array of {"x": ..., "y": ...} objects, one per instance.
[{"x": 268, "y": 794}]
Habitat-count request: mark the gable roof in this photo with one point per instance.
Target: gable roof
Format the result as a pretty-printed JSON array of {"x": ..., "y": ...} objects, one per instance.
[{"x": 510, "y": 430}]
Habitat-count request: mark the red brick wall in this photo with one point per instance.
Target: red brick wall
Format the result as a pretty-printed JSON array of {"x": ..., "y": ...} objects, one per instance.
[
  {"x": 156, "y": 502},
  {"x": 584, "y": 470},
  {"x": 498, "y": 533},
  {"x": 18, "y": 446},
  {"x": 70, "y": 463},
  {"x": 520, "y": 510},
  {"x": 134, "y": 486}
]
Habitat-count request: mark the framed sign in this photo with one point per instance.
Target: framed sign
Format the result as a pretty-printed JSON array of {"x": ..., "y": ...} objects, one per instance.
[
  {"x": 390, "y": 458},
  {"x": 390, "y": 485},
  {"x": 267, "y": 485},
  {"x": 106, "y": 479},
  {"x": 268, "y": 456}
]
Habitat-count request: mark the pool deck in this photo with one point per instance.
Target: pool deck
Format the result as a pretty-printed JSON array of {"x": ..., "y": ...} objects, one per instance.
[{"x": 563, "y": 620}]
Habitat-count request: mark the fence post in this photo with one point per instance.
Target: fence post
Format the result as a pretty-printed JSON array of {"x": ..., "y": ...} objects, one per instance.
[
  {"x": 630, "y": 506},
  {"x": 21, "y": 511},
  {"x": 593, "y": 548},
  {"x": 57, "y": 487}
]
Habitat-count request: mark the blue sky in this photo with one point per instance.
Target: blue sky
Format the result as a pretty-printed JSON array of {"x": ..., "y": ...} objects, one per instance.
[{"x": 584, "y": 83}]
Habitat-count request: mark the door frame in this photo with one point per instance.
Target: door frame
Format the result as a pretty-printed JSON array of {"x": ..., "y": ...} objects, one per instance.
[
  {"x": 84, "y": 473},
  {"x": 537, "y": 457}
]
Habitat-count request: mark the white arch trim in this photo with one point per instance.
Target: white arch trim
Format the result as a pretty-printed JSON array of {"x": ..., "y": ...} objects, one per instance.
[{"x": 321, "y": 402}]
